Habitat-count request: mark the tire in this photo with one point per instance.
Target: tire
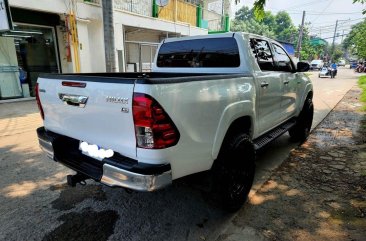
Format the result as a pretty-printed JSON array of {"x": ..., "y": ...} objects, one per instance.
[
  {"x": 301, "y": 130},
  {"x": 233, "y": 172}
]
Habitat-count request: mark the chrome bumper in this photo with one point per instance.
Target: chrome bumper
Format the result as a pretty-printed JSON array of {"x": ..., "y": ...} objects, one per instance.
[
  {"x": 46, "y": 146},
  {"x": 116, "y": 177},
  {"x": 112, "y": 175}
]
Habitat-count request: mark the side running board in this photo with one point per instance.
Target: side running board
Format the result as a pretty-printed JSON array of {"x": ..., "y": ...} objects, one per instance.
[{"x": 273, "y": 134}]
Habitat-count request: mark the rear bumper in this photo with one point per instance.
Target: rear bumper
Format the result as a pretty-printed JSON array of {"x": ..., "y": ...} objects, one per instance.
[{"x": 117, "y": 171}]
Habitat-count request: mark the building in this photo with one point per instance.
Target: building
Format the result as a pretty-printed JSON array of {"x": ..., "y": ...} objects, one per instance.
[
  {"x": 66, "y": 36},
  {"x": 290, "y": 48}
]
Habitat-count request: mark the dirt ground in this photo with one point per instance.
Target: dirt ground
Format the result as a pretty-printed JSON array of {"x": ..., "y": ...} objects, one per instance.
[{"x": 319, "y": 192}]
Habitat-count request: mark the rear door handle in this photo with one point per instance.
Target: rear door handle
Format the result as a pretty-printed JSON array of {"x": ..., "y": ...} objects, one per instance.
[
  {"x": 286, "y": 82},
  {"x": 75, "y": 100},
  {"x": 264, "y": 84}
]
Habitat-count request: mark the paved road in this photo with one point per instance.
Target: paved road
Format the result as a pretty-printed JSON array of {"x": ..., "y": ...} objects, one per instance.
[{"x": 37, "y": 205}]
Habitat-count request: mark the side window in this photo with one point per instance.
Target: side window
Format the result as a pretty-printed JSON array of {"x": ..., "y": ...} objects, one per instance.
[
  {"x": 283, "y": 62},
  {"x": 262, "y": 53}
]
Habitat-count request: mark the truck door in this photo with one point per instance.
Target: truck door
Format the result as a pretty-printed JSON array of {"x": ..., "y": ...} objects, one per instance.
[
  {"x": 285, "y": 68},
  {"x": 269, "y": 86}
]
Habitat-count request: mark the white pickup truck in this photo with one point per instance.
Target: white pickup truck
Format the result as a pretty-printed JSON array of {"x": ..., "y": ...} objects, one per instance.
[{"x": 209, "y": 104}]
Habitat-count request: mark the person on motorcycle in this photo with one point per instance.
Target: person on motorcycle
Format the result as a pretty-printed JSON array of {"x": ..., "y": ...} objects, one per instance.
[
  {"x": 334, "y": 70},
  {"x": 360, "y": 67}
]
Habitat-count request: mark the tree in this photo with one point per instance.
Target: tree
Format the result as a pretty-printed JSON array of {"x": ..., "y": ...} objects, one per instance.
[
  {"x": 245, "y": 21},
  {"x": 362, "y": 2},
  {"x": 108, "y": 27},
  {"x": 277, "y": 26},
  {"x": 252, "y": 26},
  {"x": 284, "y": 28},
  {"x": 259, "y": 7},
  {"x": 355, "y": 41},
  {"x": 244, "y": 14}
]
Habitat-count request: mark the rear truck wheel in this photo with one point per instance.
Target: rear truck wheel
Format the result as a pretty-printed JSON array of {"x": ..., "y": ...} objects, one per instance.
[
  {"x": 301, "y": 130},
  {"x": 233, "y": 172}
]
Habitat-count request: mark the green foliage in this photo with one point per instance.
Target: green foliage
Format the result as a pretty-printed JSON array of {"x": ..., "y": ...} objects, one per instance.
[
  {"x": 355, "y": 41},
  {"x": 284, "y": 28},
  {"x": 337, "y": 53},
  {"x": 245, "y": 21},
  {"x": 362, "y": 2},
  {"x": 362, "y": 84},
  {"x": 277, "y": 26},
  {"x": 259, "y": 9},
  {"x": 252, "y": 26}
]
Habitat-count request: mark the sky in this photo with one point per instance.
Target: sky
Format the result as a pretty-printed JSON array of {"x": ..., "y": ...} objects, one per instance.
[{"x": 322, "y": 14}]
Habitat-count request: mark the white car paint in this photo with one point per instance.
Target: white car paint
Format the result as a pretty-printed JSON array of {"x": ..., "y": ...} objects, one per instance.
[{"x": 201, "y": 110}]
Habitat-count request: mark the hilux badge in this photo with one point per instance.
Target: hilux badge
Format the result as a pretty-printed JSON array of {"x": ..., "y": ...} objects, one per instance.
[{"x": 113, "y": 99}]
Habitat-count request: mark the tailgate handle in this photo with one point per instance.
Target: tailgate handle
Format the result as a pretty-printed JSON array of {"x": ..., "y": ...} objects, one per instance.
[{"x": 75, "y": 100}]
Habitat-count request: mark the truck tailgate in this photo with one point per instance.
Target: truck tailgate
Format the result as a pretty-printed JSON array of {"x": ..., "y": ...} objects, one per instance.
[{"x": 105, "y": 119}]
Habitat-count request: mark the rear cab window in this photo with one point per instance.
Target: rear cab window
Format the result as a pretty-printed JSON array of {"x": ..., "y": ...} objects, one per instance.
[{"x": 199, "y": 53}]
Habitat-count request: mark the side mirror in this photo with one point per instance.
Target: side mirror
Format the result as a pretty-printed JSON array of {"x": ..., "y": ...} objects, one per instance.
[{"x": 302, "y": 67}]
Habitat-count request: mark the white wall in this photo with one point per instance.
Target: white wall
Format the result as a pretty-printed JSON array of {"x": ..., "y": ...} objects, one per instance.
[
  {"x": 59, "y": 6},
  {"x": 85, "y": 52},
  {"x": 96, "y": 46},
  {"x": 90, "y": 30},
  {"x": 119, "y": 44}
]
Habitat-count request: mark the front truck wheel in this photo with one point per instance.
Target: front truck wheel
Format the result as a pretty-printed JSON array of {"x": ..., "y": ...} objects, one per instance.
[
  {"x": 301, "y": 130},
  {"x": 233, "y": 172}
]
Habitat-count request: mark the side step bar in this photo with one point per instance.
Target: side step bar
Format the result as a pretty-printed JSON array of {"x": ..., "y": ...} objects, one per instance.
[{"x": 273, "y": 134}]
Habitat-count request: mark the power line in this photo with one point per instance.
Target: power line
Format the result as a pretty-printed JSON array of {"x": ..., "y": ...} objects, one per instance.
[
  {"x": 336, "y": 36},
  {"x": 323, "y": 10},
  {"x": 305, "y": 4},
  {"x": 347, "y": 22}
]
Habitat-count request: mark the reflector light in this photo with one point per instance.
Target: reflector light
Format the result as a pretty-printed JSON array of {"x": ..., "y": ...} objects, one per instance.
[{"x": 39, "y": 101}]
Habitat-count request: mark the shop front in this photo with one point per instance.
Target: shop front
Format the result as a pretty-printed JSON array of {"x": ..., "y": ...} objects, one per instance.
[{"x": 27, "y": 50}]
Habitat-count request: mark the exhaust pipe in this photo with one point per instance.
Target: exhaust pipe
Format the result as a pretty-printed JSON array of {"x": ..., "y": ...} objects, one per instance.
[{"x": 80, "y": 178}]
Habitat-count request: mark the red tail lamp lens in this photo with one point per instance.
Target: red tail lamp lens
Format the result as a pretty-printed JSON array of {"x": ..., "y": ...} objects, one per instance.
[{"x": 153, "y": 127}]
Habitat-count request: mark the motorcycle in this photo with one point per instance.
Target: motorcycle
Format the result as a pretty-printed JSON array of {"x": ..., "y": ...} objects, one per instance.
[
  {"x": 360, "y": 68},
  {"x": 327, "y": 72}
]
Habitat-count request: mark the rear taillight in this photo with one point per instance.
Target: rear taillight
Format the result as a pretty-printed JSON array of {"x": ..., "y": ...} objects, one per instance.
[
  {"x": 154, "y": 128},
  {"x": 39, "y": 101}
]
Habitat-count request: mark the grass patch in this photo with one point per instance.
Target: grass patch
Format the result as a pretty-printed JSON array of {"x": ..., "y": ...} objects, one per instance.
[
  {"x": 362, "y": 84},
  {"x": 308, "y": 74}
]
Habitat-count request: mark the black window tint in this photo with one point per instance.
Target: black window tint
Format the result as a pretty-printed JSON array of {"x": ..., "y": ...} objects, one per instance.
[
  {"x": 262, "y": 53},
  {"x": 283, "y": 62},
  {"x": 200, "y": 53}
]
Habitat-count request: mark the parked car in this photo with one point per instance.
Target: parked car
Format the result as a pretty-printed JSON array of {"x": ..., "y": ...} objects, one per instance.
[
  {"x": 316, "y": 64},
  {"x": 341, "y": 62},
  {"x": 209, "y": 104}
]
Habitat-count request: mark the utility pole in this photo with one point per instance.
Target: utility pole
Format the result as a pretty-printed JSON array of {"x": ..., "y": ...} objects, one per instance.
[
  {"x": 342, "y": 36},
  {"x": 334, "y": 36},
  {"x": 300, "y": 35},
  {"x": 108, "y": 26}
]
